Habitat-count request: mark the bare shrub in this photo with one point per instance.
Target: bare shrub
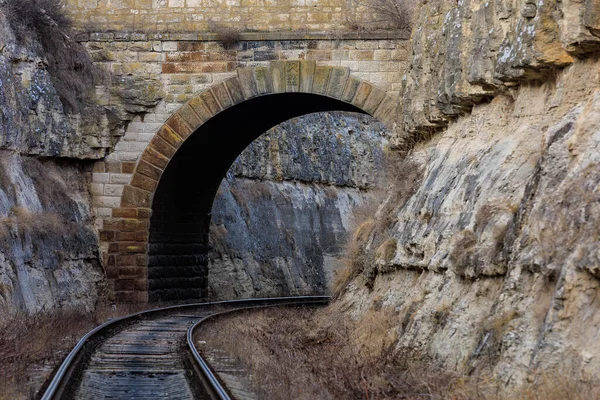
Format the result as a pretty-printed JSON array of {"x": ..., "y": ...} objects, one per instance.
[
  {"x": 381, "y": 14},
  {"x": 228, "y": 36},
  {"x": 69, "y": 64},
  {"x": 324, "y": 354},
  {"x": 31, "y": 346},
  {"x": 375, "y": 219}
]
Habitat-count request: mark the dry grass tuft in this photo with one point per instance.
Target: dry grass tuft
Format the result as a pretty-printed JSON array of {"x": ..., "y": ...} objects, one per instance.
[
  {"x": 323, "y": 354},
  {"x": 31, "y": 346},
  {"x": 374, "y": 220},
  {"x": 22, "y": 221}
]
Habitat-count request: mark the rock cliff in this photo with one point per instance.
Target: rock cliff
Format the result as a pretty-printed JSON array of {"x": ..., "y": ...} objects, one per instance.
[
  {"x": 282, "y": 216},
  {"x": 491, "y": 263}
]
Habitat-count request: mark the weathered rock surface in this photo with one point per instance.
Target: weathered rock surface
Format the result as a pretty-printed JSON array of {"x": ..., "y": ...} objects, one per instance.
[
  {"x": 493, "y": 262},
  {"x": 467, "y": 52},
  {"x": 48, "y": 245},
  {"x": 33, "y": 119},
  {"x": 281, "y": 218}
]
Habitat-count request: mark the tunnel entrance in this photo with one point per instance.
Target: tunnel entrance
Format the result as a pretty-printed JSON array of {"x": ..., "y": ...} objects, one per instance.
[{"x": 179, "y": 226}]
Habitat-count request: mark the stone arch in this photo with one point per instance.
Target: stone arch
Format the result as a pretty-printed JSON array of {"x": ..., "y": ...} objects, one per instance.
[{"x": 127, "y": 248}]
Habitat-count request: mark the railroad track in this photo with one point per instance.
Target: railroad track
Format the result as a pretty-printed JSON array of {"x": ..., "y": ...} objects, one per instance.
[{"x": 150, "y": 355}]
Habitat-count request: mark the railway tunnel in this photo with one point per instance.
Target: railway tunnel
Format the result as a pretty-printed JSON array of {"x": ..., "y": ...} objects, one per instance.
[
  {"x": 179, "y": 227},
  {"x": 168, "y": 202}
]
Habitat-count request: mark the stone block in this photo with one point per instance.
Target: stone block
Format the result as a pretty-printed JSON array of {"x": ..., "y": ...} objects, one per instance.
[
  {"x": 292, "y": 76},
  {"x": 125, "y": 260},
  {"x": 127, "y": 167},
  {"x": 143, "y": 182},
  {"x": 247, "y": 82},
  {"x": 200, "y": 108},
  {"x": 113, "y": 190},
  {"x": 170, "y": 136},
  {"x": 124, "y": 212},
  {"x": 162, "y": 147},
  {"x": 100, "y": 177},
  {"x": 337, "y": 82},
  {"x": 264, "y": 82},
  {"x": 277, "y": 69},
  {"x": 144, "y": 213},
  {"x": 135, "y": 197},
  {"x": 235, "y": 90},
  {"x": 320, "y": 79},
  {"x": 181, "y": 124},
  {"x": 106, "y": 201},
  {"x": 220, "y": 93},
  {"x": 120, "y": 178},
  {"x": 150, "y": 171},
  {"x": 364, "y": 89},
  {"x": 374, "y": 100},
  {"x": 387, "y": 110},
  {"x": 307, "y": 71},
  {"x": 154, "y": 158},
  {"x": 210, "y": 101},
  {"x": 350, "y": 90}
]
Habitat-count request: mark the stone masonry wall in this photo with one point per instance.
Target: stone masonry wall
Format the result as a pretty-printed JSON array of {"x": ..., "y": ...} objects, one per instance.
[
  {"x": 204, "y": 15},
  {"x": 180, "y": 69}
]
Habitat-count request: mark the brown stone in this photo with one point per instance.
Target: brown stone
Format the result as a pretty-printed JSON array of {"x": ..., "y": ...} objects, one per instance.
[
  {"x": 170, "y": 136},
  {"x": 109, "y": 260},
  {"x": 125, "y": 237},
  {"x": 132, "y": 225},
  {"x": 141, "y": 260},
  {"x": 162, "y": 147},
  {"x": 107, "y": 236},
  {"x": 350, "y": 89},
  {"x": 182, "y": 68},
  {"x": 386, "y": 112},
  {"x": 113, "y": 247},
  {"x": 124, "y": 212},
  {"x": 150, "y": 171},
  {"x": 337, "y": 82},
  {"x": 219, "y": 91},
  {"x": 190, "y": 46},
  {"x": 235, "y": 90},
  {"x": 111, "y": 272},
  {"x": 200, "y": 108},
  {"x": 180, "y": 126},
  {"x": 364, "y": 89},
  {"x": 113, "y": 167},
  {"x": 210, "y": 101},
  {"x": 128, "y": 167},
  {"x": 141, "y": 284},
  {"x": 152, "y": 157},
  {"x": 144, "y": 182},
  {"x": 132, "y": 272},
  {"x": 124, "y": 285},
  {"x": 144, "y": 213},
  {"x": 132, "y": 247},
  {"x": 124, "y": 260},
  {"x": 135, "y": 197},
  {"x": 374, "y": 100}
]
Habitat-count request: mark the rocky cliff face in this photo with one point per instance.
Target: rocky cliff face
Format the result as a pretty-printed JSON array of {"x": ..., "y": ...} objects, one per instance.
[
  {"x": 491, "y": 264},
  {"x": 48, "y": 244},
  {"x": 282, "y": 216}
]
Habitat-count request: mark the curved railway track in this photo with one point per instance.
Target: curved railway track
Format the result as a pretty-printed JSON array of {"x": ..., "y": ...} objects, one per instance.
[{"x": 150, "y": 355}]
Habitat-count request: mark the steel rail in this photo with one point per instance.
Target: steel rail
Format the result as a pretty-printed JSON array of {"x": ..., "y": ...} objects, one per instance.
[
  {"x": 61, "y": 377},
  {"x": 217, "y": 390}
]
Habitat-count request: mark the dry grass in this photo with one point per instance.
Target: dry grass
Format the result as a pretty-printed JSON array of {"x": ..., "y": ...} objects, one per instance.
[
  {"x": 69, "y": 64},
  {"x": 321, "y": 354},
  {"x": 374, "y": 221},
  {"x": 22, "y": 221},
  {"x": 32, "y": 346}
]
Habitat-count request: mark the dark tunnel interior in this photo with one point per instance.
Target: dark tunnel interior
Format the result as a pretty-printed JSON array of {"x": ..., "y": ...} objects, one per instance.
[{"x": 179, "y": 227}]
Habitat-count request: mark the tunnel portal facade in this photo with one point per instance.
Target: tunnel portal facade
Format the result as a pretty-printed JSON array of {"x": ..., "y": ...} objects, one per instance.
[{"x": 154, "y": 241}]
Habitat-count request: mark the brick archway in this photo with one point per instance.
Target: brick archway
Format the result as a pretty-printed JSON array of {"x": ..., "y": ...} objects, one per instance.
[{"x": 125, "y": 236}]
